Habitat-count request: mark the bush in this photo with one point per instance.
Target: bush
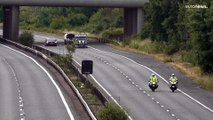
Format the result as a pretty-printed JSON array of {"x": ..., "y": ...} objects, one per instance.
[
  {"x": 111, "y": 111},
  {"x": 172, "y": 47},
  {"x": 26, "y": 38},
  {"x": 70, "y": 48},
  {"x": 65, "y": 61},
  {"x": 205, "y": 61},
  {"x": 112, "y": 32},
  {"x": 190, "y": 56},
  {"x": 145, "y": 31},
  {"x": 147, "y": 46}
]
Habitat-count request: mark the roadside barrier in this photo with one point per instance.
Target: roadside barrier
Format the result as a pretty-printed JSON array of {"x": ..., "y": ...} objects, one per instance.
[
  {"x": 38, "y": 51},
  {"x": 44, "y": 53}
]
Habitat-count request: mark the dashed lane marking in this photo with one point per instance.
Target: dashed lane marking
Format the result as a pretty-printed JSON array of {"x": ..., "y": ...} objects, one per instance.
[{"x": 52, "y": 80}]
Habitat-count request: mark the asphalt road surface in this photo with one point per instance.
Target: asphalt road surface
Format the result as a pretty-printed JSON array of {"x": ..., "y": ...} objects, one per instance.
[
  {"x": 126, "y": 79},
  {"x": 27, "y": 90}
]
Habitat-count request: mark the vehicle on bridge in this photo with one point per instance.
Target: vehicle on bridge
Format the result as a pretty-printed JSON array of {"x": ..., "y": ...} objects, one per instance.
[
  {"x": 50, "y": 42},
  {"x": 81, "y": 40},
  {"x": 68, "y": 38}
]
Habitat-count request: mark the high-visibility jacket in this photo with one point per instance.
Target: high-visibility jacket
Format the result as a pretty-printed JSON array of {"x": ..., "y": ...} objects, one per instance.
[
  {"x": 153, "y": 79},
  {"x": 173, "y": 80}
]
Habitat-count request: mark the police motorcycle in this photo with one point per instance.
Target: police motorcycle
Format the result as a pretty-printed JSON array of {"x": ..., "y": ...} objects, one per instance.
[
  {"x": 173, "y": 85},
  {"x": 153, "y": 86}
]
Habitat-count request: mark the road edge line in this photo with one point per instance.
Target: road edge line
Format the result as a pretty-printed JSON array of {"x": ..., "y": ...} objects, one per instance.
[
  {"x": 130, "y": 118},
  {"x": 193, "y": 99},
  {"x": 52, "y": 80}
]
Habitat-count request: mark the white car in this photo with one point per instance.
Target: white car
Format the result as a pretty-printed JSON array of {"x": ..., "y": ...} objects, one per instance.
[
  {"x": 68, "y": 38},
  {"x": 50, "y": 42},
  {"x": 81, "y": 40}
]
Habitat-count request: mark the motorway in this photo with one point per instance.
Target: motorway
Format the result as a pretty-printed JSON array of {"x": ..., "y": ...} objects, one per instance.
[
  {"x": 127, "y": 81},
  {"x": 28, "y": 91}
]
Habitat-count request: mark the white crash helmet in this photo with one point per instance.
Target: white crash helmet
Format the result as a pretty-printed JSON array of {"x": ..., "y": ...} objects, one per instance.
[
  {"x": 153, "y": 74},
  {"x": 173, "y": 75}
]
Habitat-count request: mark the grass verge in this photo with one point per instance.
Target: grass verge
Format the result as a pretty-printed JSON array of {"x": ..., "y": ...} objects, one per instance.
[
  {"x": 146, "y": 47},
  {"x": 87, "y": 91}
]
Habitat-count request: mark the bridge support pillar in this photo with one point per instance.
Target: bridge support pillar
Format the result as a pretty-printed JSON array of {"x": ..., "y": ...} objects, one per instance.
[
  {"x": 133, "y": 21},
  {"x": 11, "y": 22}
]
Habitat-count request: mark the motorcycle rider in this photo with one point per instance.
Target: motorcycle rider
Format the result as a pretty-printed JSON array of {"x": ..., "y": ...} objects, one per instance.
[
  {"x": 173, "y": 79},
  {"x": 153, "y": 78}
]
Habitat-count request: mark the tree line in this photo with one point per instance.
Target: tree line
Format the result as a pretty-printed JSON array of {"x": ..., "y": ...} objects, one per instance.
[
  {"x": 170, "y": 23},
  {"x": 93, "y": 20},
  {"x": 176, "y": 26}
]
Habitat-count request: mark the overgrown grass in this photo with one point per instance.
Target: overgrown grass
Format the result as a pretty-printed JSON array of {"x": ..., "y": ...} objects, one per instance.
[
  {"x": 181, "y": 60},
  {"x": 86, "y": 90},
  {"x": 146, "y": 46},
  {"x": 194, "y": 72},
  {"x": 111, "y": 111}
]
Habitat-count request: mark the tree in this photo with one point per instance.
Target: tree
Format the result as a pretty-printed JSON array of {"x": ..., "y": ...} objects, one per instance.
[
  {"x": 199, "y": 23},
  {"x": 105, "y": 18},
  {"x": 78, "y": 19},
  {"x": 26, "y": 38},
  {"x": 161, "y": 20},
  {"x": 57, "y": 23}
]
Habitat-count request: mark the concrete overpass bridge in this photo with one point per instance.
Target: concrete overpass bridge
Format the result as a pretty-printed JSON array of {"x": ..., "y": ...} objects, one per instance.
[{"x": 133, "y": 12}]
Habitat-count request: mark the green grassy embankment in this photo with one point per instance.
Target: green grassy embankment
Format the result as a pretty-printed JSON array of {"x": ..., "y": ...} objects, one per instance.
[{"x": 152, "y": 49}]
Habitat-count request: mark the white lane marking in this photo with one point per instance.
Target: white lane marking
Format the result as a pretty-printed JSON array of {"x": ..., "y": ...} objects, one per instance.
[
  {"x": 21, "y": 104},
  {"x": 105, "y": 90},
  {"x": 162, "y": 106},
  {"x": 53, "y": 81},
  {"x": 193, "y": 99}
]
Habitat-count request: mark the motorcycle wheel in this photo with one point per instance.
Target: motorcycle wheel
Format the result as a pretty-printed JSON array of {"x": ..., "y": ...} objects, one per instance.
[{"x": 153, "y": 90}]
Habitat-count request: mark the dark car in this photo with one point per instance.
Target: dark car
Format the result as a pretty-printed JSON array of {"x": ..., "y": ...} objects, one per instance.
[
  {"x": 81, "y": 40},
  {"x": 68, "y": 38},
  {"x": 50, "y": 42}
]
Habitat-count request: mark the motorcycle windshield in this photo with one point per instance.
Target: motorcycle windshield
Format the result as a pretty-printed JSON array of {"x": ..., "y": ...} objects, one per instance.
[{"x": 173, "y": 82}]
